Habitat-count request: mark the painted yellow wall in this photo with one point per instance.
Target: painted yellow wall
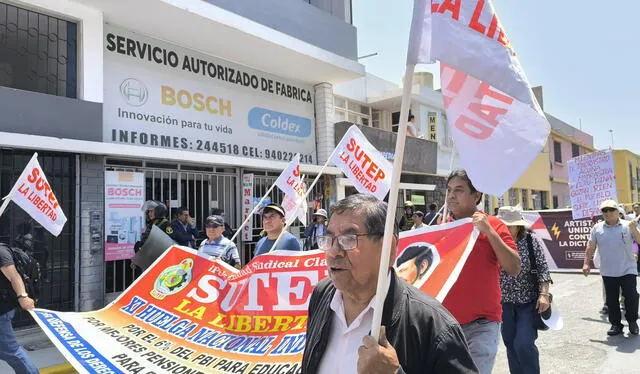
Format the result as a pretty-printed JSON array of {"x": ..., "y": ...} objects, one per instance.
[
  {"x": 537, "y": 175},
  {"x": 622, "y": 158}
]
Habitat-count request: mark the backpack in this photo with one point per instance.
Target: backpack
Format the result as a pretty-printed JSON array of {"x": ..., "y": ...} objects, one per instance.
[{"x": 29, "y": 270}]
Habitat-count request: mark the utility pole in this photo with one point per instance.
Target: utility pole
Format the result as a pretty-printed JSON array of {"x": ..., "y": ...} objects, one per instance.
[{"x": 611, "y": 132}]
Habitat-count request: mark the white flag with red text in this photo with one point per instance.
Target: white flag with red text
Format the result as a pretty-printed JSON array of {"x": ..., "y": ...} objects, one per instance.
[
  {"x": 431, "y": 258},
  {"x": 33, "y": 193},
  {"x": 495, "y": 120},
  {"x": 289, "y": 182},
  {"x": 361, "y": 162}
]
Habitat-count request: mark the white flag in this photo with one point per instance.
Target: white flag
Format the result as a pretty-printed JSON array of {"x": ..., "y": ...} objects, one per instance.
[
  {"x": 361, "y": 162},
  {"x": 289, "y": 182},
  {"x": 495, "y": 120},
  {"x": 33, "y": 193}
]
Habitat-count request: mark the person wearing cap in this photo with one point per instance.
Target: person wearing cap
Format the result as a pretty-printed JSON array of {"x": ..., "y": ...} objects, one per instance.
[
  {"x": 406, "y": 222},
  {"x": 417, "y": 220},
  {"x": 522, "y": 298},
  {"x": 474, "y": 300},
  {"x": 273, "y": 223},
  {"x": 613, "y": 237},
  {"x": 216, "y": 245},
  {"x": 317, "y": 228},
  {"x": 414, "y": 263}
]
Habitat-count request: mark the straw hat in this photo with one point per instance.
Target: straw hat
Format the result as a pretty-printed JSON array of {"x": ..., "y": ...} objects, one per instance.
[{"x": 512, "y": 216}]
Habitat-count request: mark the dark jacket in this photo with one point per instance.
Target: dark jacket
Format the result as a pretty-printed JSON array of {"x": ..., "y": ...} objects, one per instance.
[
  {"x": 427, "y": 339},
  {"x": 181, "y": 236}
]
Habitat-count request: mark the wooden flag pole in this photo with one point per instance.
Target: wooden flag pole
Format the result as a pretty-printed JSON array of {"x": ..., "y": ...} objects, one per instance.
[{"x": 383, "y": 271}]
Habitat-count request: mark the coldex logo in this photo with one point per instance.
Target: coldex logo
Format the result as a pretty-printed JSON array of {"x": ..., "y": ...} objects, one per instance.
[{"x": 134, "y": 92}]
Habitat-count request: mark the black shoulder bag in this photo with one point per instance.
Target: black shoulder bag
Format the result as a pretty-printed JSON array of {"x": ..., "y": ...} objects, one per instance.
[{"x": 537, "y": 319}]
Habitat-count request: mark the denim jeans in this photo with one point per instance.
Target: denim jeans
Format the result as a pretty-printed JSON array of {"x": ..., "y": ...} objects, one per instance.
[
  {"x": 519, "y": 336},
  {"x": 482, "y": 337},
  {"x": 10, "y": 350}
]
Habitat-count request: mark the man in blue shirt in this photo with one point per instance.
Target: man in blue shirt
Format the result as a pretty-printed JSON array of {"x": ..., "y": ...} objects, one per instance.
[
  {"x": 273, "y": 223},
  {"x": 182, "y": 229},
  {"x": 216, "y": 245}
]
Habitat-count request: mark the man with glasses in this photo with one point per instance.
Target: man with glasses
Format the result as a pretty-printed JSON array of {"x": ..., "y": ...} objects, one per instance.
[
  {"x": 613, "y": 237},
  {"x": 418, "y": 334},
  {"x": 273, "y": 223}
]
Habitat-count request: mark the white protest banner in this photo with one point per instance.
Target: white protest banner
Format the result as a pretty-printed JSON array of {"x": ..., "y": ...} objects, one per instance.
[
  {"x": 591, "y": 180},
  {"x": 247, "y": 207},
  {"x": 124, "y": 218},
  {"x": 296, "y": 207},
  {"x": 289, "y": 182},
  {"x": 33, "y": 193},
  {"x": 367, "y": 168},
  {"x": 496, "y": 122}
]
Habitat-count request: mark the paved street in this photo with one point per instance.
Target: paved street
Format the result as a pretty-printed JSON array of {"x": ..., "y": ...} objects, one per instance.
[{"x": 583, "y": 345}]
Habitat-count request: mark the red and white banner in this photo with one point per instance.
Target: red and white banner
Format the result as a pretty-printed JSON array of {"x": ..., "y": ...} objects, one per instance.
[
  {"x": 33, "y": 193},
  {"x": 290, "y": 183},
  {"x": 495, "y": 120},
  {"x": 361, "y": 162},
  {"x": 431, "y": 258}
]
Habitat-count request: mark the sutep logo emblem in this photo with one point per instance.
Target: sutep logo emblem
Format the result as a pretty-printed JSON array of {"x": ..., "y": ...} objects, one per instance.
[{"x": 134, "y": 92}]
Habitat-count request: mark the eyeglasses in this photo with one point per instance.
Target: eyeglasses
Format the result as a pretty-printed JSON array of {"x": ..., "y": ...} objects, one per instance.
[
  {"x": 608, "y": 210},
  {"x": 347, "y": 242}
]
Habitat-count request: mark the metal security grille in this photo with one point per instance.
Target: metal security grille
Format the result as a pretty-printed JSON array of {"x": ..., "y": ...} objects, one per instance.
[
  {"x": 198, "y": 189},
  {"x": 37, "y": 52},
  {"x": 261, "y": 184},
  {"x": 56, "y": 255}
]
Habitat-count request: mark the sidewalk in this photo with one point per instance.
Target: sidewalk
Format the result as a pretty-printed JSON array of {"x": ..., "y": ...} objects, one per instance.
[{"x": 46, "y": 357}]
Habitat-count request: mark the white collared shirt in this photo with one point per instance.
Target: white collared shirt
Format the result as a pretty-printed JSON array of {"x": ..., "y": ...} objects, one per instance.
[{"x": 341, "y": 354}]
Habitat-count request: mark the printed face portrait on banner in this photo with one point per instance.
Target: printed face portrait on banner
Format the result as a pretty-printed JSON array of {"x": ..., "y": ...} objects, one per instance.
[{"x": 417, "y": 262}]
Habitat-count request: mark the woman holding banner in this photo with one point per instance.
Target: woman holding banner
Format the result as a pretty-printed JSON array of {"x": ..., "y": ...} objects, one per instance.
[{"x": 523, "y": 296}]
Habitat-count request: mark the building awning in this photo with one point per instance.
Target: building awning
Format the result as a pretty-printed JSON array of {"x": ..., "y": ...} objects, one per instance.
[
  {"x": 211, "y": 30},
  {"x": 46, "y": 143}
]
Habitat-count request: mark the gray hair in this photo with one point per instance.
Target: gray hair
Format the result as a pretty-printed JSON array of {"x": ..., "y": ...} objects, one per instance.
[{"x": 373, "y": 210}]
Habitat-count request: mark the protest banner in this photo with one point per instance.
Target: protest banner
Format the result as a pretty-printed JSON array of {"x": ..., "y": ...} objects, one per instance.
[
  {"x": 365, "y": 167},
  {"x": 562, "y": 237},
  {"x": 124, "y": 220},
  {"x": 431, "y": 258},
  {"x": 592, "y": 180},
  {"x": 187, "y": 314},
  {"x": 33, "y": 193},
  {"x": 496, "y": 122},
  {"x": 290, "y": 183}
]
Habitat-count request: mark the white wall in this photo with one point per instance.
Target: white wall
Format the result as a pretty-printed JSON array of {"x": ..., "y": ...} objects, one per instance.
[{"x": 90, "y": 22}]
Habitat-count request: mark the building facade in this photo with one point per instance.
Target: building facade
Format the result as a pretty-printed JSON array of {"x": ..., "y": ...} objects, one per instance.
[
  {"x": 627, "y": 169},
  {"x": 565, "y": 142},
  {"x": 185, "y": 102}
]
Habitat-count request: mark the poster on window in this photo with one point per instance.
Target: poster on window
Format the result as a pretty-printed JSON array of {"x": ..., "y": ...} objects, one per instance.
[{"x": 124, "y": 219}]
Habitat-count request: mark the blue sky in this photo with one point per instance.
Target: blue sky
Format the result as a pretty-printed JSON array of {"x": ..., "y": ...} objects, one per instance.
[{"x": 585, "y": 53}]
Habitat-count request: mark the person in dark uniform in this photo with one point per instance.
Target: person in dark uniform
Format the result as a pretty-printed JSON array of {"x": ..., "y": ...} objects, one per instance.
[
  {"x": 156, "y": 215},
  {"x": 182, "y": 229}
]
